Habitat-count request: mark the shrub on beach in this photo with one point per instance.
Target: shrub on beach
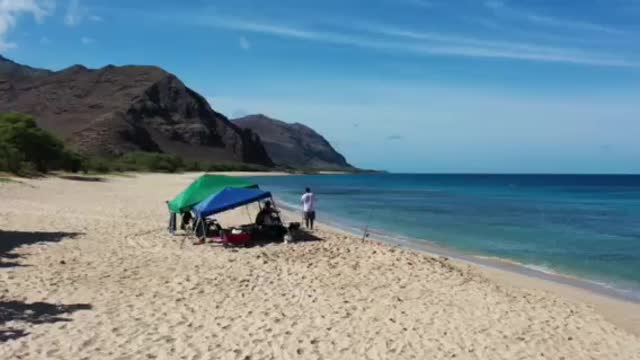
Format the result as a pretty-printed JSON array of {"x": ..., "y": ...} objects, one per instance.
[
  {"x": 158, "y": 162},
  {"x": 10, "y": 158},
  {"x": 24, "y": 145},
  {"x": 193, "y": 166},
  {"x": 235, "y": 167},
  {"x": 100, "y": 165},
  {"x": 144, "y": 161}
]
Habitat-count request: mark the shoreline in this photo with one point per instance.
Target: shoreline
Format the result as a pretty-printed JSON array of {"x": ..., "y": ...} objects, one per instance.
[
  {"x": 505, "y": 264},
  {"x": 621, "y": 309},
  {"x": 610, "y": 287},
  {"x": 511, "y": 266},
  {"x": 504, "y": 270}
]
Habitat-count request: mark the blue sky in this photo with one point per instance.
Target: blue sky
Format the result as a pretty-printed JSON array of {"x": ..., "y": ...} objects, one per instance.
[{"x": 402, "y": 85}]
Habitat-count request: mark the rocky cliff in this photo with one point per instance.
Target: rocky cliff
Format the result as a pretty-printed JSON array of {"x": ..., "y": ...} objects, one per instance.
[
  {"x": 294, "y": 145},
  {"x": 115, "y": 110}
]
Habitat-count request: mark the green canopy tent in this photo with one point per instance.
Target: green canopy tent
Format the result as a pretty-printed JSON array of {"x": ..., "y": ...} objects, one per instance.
[{"x": 202, "y": 188}]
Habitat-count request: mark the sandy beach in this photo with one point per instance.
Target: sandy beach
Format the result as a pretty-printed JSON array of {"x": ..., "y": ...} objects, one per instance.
[{"x": 88, "y": 271}]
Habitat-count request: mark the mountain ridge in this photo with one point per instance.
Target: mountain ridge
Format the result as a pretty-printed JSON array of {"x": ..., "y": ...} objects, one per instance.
[
  {"x": 294, "y": 144},
  {"x": 119, "y": 109},
  {"x": 15, "y": 70}
]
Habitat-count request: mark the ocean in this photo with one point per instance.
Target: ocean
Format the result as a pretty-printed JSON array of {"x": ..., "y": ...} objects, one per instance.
[{"x": 582, "y": 226}]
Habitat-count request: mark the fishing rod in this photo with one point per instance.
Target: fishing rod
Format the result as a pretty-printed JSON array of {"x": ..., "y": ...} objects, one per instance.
[{"x": 366, "y": 234}]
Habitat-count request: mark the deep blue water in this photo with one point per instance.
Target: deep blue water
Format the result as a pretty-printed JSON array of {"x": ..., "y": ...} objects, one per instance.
[{"x": 582, "y": 225}]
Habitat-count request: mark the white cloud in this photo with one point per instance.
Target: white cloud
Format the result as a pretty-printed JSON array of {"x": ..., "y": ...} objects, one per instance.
[
  {"x": 256, "y": 27},
  {"x": 85, "y": 40},
  {"x": 382, "y": 29},
  {"x": 78, "y": 13},
  {"x": 499, "y": 8},
  {"x": 425, "y": 44},
  {"x": 244, "y": 43},
  {"x": 11, "y": 10},
  {"x": 573, "y": 25},
  {"x": 75, "y": 13},
  {"x": 6, "y": 46}
]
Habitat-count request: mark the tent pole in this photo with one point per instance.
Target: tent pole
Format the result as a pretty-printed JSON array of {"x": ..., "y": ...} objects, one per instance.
[
  {"x": 273, "y": 202},
  {"x": 276, "y": 208},
  {"x": 246, "y": 207}
]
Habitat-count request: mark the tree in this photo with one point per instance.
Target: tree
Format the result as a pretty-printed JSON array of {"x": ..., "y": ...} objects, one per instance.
[
  {"x": 73, "y": 162},
  {"x": 10, "y": 158},
  {"x": 22, "y": 140}
]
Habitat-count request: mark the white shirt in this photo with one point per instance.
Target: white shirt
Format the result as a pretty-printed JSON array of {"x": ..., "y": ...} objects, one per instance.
[{"x": 308, "y": 202}]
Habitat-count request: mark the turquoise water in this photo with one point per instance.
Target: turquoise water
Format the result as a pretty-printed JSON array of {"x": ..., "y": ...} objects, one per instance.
[{"x": 581, "y": 225}]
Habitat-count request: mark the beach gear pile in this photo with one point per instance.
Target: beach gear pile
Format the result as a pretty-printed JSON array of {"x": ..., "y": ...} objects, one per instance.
[{"x": 214, "y": 194}]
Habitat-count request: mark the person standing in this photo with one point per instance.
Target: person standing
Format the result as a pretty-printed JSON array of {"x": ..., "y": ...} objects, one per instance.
[{"x": 309, "y": 208}]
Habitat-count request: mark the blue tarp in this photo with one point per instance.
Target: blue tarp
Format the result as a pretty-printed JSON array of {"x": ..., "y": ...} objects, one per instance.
[{"x": 227, "y": 199}]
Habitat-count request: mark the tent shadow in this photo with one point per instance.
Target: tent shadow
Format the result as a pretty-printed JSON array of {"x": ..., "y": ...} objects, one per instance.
[
  {"x": 33, "y": 313},
  {"x": 5, "y": 264},
  {"x": 11, "y": 240},
  {"x": 11, "y": 334},
  {"x": 299, "y": 236},
  {"x": 306, "y": 236}
]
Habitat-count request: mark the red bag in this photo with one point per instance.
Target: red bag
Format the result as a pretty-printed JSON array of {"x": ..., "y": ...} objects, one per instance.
[{"x": 238, "y": 239}]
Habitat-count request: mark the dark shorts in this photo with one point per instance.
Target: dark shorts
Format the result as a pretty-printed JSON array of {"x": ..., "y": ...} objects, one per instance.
[{"x": 309, "y": 215}]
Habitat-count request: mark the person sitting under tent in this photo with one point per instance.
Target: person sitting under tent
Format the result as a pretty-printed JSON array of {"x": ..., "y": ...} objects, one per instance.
[
  {"x": 268, "y": 215},
  {"x": 187, "y": 217},
  {"x": 269, "y": 223}
]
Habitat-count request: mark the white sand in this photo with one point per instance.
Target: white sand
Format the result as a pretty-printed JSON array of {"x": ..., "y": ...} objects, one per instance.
[{"x": 131, "y": 292}]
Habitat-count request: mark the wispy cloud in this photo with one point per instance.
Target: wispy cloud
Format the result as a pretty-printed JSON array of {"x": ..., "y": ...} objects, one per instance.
[
  {"x": 500, "y": 8},
  {"x": 258, "y": 27},
  {"x": 502, "y": 49},
  {"x": 10, "y": 10},
  {"x": 85, "y": 40},
  {"x": 78, "y": 13},
  {"x": 244, "y": 43},
  {"x": 574, "y": 25},
  {"x": 387, "y": 30},
  {"x": 75, "y": 13},
  {"x": 422, "y": 43}
]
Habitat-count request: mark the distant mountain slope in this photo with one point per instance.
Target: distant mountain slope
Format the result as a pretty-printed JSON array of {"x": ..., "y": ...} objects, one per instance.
[
  {"x": 13, "y": 70},
  {"x": 115, "y": 110},
  {"x": 294, "y": 145}
]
